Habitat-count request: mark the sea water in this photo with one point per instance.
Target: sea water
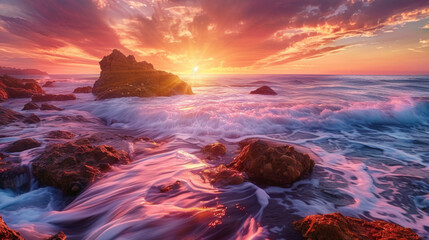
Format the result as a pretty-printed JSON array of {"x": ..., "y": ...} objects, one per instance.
[{"x": 370, "y": 133}]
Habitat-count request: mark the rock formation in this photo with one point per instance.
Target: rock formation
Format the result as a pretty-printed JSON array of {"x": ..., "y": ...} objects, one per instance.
[
  {"x": 74, "y": 165},
  {"x": 214, "y": 150},
  {"x": 18, "y": 88},
  {"x": 30, "y": 106},
  {"x": 272, "y": 165},
  {"x": 47, "y": 106},
  {"x": 265, "y": 90},
  {"x": 33, "y": 118},
  {"x": 22, "y": 145},
  {"x": 83, "y": 90},
  {"x": 7, "y": 233},
  {"x": 60, "y": 134},
  {"x": 123, "y": 76},
  {"x": 335, "y": 226},
  {"x": 52, "y": 97},
  {"x": 9, "y": 116}
]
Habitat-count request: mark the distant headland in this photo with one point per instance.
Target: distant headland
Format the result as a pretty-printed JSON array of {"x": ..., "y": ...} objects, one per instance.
[{"x": 19, "y": 71}]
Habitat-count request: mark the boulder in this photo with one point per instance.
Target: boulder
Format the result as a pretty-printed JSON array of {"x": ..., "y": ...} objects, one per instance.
[
  {"x": 265, "y": 90},
  {"x": 58, "y": 236},
  {"x": 73, "y": 166},
  {"x": 214, "y": 150},
  {"x": 3, "y": 94},
  {"x": 14, "y": 175},
  {"x": 171, "y": 187},
  {"x": 335, "y": 226},
  {"x": 47, "y": 106},
  {"x": 52, "y": 97},
  {"x": 22, "y": 145},
  {"x": 9, "y": 116},
  {"x": 49, "y": 84},
  {"x": 83, "y": 90},
  {"x": 30, "y": 106},
  {"x": 60, "y": 134},
  {"x": 33, "y": 118},
  {"x": 7, "y": 233},
  {"x": 272, "y": 165},
  {"x": 18, "y": 88},
  {"x": 223, "y": 176},
  {"x": 123, "y": 76}
]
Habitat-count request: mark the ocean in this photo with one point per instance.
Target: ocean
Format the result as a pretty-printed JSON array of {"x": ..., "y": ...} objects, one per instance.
[{"x": 370, "y": 135}]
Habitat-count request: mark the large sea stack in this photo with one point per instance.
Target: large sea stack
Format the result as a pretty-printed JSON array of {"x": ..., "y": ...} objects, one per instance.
[{"x": 123, "y": 76}]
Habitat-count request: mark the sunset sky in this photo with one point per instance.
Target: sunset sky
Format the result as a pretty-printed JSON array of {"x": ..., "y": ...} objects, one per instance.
[{"x": 219, "y": 36}]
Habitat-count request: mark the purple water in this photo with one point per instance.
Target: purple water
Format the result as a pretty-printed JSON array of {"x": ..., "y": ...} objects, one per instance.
[{"x": 371, "y": 134}]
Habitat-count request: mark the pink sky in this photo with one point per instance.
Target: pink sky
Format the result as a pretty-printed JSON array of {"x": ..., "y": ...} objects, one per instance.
[{"x": 219, "y": 36}]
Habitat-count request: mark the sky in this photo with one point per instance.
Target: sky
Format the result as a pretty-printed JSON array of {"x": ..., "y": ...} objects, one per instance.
[{"x": 219, "y": 36}]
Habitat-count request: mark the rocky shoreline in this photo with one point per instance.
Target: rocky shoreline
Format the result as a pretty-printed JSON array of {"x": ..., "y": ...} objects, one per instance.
[{"x": 76, "y": 162}]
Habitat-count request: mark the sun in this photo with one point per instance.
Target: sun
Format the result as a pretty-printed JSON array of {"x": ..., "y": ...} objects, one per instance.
[{"x": 196, "y": 69}]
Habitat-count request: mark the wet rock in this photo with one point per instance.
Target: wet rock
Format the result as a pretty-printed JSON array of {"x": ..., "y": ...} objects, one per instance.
[
  {"x": 52, "y": 97},
  {"x": 171, "y": 187},
  {"x": 272, "y": 165},
  {"x": 3, "y": 94},
  {"x": 335, "y": 226},
  {"x": 22, "y": 145},
  {"x": 47, "y": 106},
  {"x": 223, "y": 176},
  {"x": 14, "y": 175},
  {"x": 60, "y": 134},
  {"x": 83, "y": 90},
  {"x": 49, "y": 84},
  {"x": 9, "y": 116},
  {"x": 58, "y": 236},
  {"x": 30, "y": 106},
  {"x": 71, "y": 167},
  {"x": 7, "y": 233},
  {"x": 265, "y": 90},
  {"x": 18, "y": 88},
  {"x": 33, "y": 118},
  {"x": 123, "y": 76},
  {"x": 214, "y": 150}
]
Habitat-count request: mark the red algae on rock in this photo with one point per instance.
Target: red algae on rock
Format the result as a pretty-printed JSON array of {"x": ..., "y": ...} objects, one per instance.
[
  {"x": 214, "y": 150},
  {"x": 7, "y": 233},
  {"x": 74, "y": 165},
  {"x": 335, "y": 226},
  {"x": 272, "y": 165}
]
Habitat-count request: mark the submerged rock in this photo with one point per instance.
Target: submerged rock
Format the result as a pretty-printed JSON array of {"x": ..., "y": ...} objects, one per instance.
[
  {"x": 30, "y": 106},
  {"x": 171, "y": 187},
  {"x": 265, "y": 90},
  {"x": 71, "y": 166},
  {"x": 60, "y": 134},
  {"x": 223, "y": 176},
  {"x": 9, "y": 116},
  {"x": 49, "y": 84},
  {"x": 214, "y": 150},
  {"x": 272, "y": 165},
  {"x": 7, "y": 233},
  {"x": 58, "y": 236},
  {"x": 87, "y": 89},
  {"x": 335, "y": 226},
  {"x": 47, "y": 106},
  {"x": 53, "y": 97},
  {"x": 22, "y": 145},
  {"x": 33, "y": 118},
  {"x": 14, "y": 175},
  {"x": 123, "y": 76}
]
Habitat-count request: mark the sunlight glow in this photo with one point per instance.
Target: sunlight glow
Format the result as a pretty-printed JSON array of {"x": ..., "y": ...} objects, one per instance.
[{"x": 196, "y": 69}]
